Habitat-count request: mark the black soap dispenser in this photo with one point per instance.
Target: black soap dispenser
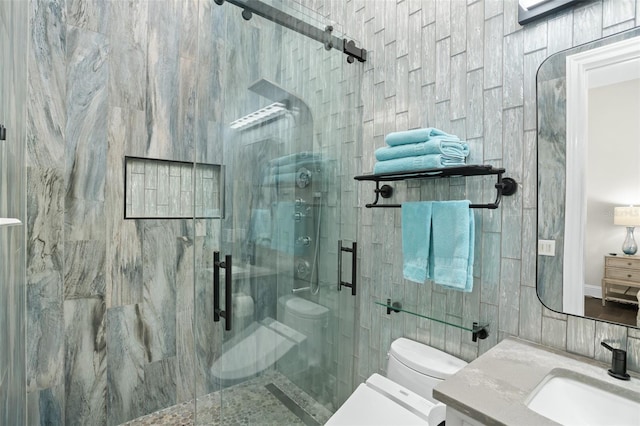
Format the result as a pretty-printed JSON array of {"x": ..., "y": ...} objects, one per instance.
[{"x": 618, "y": 363}]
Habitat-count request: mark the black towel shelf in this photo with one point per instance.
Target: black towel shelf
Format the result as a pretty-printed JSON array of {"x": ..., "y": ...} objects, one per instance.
[{"x": 504, "y": 185}]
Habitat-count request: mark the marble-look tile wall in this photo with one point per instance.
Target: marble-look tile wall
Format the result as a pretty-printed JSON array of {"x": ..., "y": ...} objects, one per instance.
[
  {"x": 109, "y": 300},
  {"x": 469, "y": 68},
  {"x": 13, "y": 103}
]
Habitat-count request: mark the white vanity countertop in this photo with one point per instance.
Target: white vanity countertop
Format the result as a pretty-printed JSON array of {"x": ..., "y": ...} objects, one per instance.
[{"x": 493, "y": 388}]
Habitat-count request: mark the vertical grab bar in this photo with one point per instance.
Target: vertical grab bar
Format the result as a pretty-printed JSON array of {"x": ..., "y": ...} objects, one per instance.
[
  {"x": 354, "y": 261},
  {"x": 228, "y": 301}
]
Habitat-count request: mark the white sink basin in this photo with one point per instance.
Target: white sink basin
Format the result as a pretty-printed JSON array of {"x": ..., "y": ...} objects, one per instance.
[{"x": 570, "y": 398}]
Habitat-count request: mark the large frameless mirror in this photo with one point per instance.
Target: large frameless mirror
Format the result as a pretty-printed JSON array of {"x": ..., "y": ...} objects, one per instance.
[{"x": 588, "y": 100}]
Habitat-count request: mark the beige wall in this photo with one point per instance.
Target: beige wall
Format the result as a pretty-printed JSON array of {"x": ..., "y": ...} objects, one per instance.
[{"x": 613, "y": 177}]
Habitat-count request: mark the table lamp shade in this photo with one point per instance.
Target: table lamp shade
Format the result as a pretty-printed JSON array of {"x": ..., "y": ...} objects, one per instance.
[{"x": 626, "y": 216}]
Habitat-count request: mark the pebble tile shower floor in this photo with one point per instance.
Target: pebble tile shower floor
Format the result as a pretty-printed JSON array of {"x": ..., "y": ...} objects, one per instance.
[{"x": 254, "y": 402}]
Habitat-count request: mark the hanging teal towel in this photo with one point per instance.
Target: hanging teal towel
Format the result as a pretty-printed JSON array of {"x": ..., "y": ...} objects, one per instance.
[
  {"x": 283, "y": 225},
  {"x": 260, "y": 227},
  {"x": 416, "y": 235},
  {"x": 453, "y": 233},
  {"x": 416, "y": 135}
]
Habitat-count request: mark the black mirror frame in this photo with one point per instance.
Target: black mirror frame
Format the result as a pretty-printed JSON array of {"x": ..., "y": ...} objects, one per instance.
[{"x": 545, "y": 9}]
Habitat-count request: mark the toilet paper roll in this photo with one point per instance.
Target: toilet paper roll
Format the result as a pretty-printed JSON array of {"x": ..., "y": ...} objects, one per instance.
[{"x": 242, "y": 305}]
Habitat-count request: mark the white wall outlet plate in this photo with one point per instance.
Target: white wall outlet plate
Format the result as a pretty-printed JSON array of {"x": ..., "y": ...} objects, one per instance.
[{"x": 546, "y": 247}]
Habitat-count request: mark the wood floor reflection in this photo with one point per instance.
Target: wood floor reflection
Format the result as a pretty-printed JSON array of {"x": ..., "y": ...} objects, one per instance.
[{"x": 623, "y": 313}]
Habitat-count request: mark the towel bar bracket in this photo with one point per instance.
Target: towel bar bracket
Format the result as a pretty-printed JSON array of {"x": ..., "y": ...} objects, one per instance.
[
  {"x": 509, "y": 186},
  {"x": 385, "y": 191},
  {"x": 393, "y": 307},
  {"x": 479, "y": 332},
  {"x": 504, "y": 185}
]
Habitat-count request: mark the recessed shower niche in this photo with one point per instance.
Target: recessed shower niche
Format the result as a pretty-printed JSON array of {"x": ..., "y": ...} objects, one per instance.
[{"x": 164, "y": 189}]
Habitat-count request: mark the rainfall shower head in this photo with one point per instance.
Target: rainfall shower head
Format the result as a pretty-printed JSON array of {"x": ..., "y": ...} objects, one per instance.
[
  {"x": 270, "y": 112},
  {"x": 283, "y": 102}
]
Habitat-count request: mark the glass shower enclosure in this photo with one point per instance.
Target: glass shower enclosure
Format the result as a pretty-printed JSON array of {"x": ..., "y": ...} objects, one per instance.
[
  {"x": 274, "y": 335},
  {"x": 180, "y": 145}
]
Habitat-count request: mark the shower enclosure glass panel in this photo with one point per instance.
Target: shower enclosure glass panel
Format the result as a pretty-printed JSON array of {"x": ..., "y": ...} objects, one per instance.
[{"x": 283, "y": 127}]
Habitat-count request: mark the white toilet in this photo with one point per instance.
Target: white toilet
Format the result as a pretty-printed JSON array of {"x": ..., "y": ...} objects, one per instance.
[
  {"x": 404, "y": 397},
  {"x": 308, "y": 318},
  {"x": 295, "y": 342}
]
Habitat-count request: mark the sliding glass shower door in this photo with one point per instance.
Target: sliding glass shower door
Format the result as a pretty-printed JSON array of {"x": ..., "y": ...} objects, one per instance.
[{"x": 274, "y": 333}]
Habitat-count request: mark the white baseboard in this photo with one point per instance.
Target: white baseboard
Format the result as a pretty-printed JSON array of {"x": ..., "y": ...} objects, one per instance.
[{"x": 593, "y": 291}]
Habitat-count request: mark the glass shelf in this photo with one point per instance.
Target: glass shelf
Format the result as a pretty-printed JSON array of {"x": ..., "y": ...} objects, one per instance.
[{"x": 478, "y": 331}]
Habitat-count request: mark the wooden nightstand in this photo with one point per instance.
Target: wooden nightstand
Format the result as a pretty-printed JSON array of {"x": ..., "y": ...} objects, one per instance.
[{"x": 621, "y": 281}]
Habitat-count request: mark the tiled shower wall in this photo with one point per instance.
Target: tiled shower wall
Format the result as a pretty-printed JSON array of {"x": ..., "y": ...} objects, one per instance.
[
  {"x": 469, "y": 68},
  {"x": 165, "y": 189},
  {"x": 13, "y": 96},
  {"x": 110, "y": 301}
]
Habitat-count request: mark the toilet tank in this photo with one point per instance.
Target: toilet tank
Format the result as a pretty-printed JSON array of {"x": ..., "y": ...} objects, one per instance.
[
  {"x": 419, "y": 367},
  {"x": 308, "y": 318}
]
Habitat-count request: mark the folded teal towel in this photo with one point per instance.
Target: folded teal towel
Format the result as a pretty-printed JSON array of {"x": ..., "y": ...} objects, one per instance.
[
  {"x": 416, "y": 136},
  {"x": 296, "y": 158},
  {"x": 453, "y": 234},
  {"x": 280, "y": 179},
  {"x": 407, "y": 164},
  {"x": 416, "y": 235},
  {"x": 432, "y": 146},
  {"x": 294, "y": 167}
]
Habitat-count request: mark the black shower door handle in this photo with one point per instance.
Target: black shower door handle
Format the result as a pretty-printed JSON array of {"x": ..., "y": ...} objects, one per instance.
[
  {"x": 217, "y": 312},
  {"x": 354, "y": 259}
]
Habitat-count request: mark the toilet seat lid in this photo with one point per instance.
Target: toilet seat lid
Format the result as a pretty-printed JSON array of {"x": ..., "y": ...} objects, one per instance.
[
  {"x": 259, "y": 350},
  {"x": 305, "y": 308},
  {"x": 425, "y": 359},
  {"x": 366, "y": 406}
]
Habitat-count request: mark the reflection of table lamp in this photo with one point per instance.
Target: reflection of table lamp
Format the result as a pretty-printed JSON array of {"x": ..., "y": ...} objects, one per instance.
[{"x": 629, "y": 217}]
